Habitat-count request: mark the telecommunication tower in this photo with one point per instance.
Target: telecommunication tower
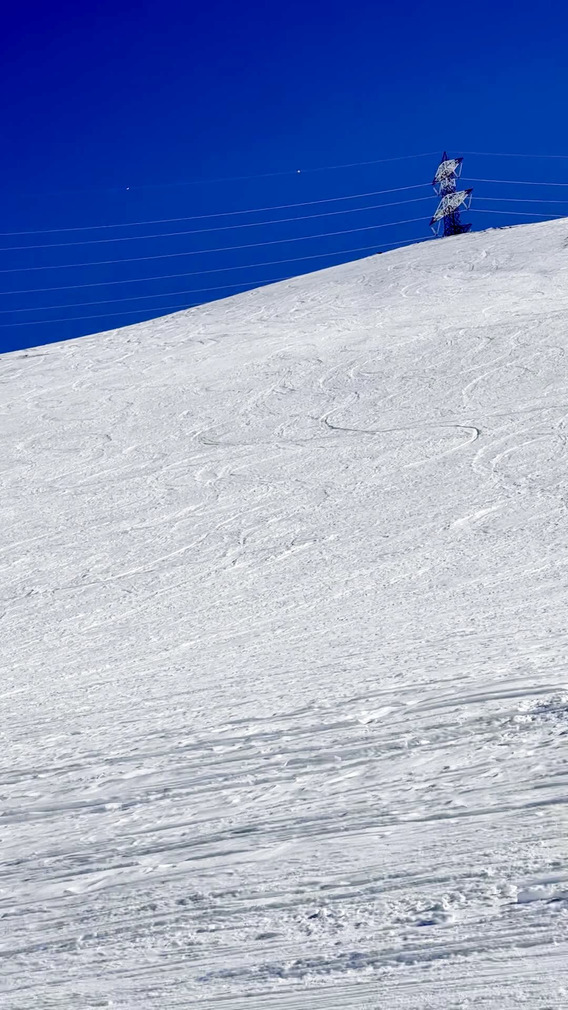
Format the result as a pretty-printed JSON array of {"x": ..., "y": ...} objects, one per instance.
[{"x": 447, "y": 216}]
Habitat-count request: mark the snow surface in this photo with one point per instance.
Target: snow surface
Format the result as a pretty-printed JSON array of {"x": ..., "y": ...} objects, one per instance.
[{"x": 284, "y": 645}]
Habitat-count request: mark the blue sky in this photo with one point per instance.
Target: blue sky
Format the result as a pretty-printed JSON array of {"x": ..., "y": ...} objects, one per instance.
[{"x": 121, "y": 112}]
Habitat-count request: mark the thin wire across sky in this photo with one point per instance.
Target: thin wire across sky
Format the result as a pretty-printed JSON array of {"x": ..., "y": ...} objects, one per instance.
[{"x": 235, "y": 223}]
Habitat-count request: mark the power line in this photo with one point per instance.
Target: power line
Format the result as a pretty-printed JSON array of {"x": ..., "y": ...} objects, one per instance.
[
  {"x": 518, "y": 213},
  {"x": 198, "y": 273},
  {"x": 159, "y": 294},
  {"x": 201, "y": 252},
  {"x": 273, "y": 175},
  {"x": 234, "y": 213},
  {"x": 220, "y": 287},
  {"x": 213, "y": 270},
  {"x": 224, "y": 213},
  {"x": 253, "y": 210},
  {"x": 501, "y": 154},
  {"x": 513, "y": 199},
  {"x": 103, "y": 315},
  {"x": 237, "y": 213},
  {"x": 517, "y": 182},
  {"x": 290, "y": 171},
  {"x": 253, "y": 224},
  {"x": 232, "y": 178},
  {"x": 217, "y": 287},
  {"x": 225, "y": 227}
]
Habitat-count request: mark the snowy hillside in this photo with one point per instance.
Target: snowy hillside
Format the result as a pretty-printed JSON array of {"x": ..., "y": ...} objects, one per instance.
[{"x": 284, "y": 645}]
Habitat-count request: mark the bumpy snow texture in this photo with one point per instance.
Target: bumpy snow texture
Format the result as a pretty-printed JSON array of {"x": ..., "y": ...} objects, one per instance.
[{"x": 284, "y": 695}]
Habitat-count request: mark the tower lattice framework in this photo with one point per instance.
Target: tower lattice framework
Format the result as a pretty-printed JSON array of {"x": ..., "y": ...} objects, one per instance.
[{"x": 447, "y": 218}]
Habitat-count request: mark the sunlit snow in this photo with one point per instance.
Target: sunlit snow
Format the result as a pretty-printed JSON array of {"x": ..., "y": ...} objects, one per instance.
[{"x": 284, "y": 643}]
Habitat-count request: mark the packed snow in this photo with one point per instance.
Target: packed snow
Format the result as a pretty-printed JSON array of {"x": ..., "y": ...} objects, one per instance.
[{"x": 284, "y": 645}]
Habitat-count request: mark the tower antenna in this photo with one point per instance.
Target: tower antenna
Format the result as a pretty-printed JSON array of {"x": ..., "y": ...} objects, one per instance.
[{"x": 447, "y": 220}]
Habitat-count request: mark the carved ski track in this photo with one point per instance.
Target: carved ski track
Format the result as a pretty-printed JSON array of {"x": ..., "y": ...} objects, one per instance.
[{"x": 284, "y": 701}]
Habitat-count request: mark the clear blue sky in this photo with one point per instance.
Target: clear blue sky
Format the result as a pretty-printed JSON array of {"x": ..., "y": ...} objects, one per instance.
[{"x": 123, "y": 112}]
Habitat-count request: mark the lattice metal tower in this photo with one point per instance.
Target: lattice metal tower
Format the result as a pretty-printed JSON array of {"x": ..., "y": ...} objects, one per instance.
[{"x": 447, "y": 216}]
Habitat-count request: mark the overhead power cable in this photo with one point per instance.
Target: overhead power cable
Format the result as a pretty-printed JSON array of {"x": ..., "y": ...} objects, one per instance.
[
  {"x": 104, "y": 315},
  {"x": 210, "y": 270},
  {"x": 219, "y": 287},
  {"x": 232, "y": 178},
  {"x": 502, "y": 154},
  {"x": 224, "y": 213},
  {"x": 202, "y": 252},
  {"x": 517, "y": 199},
  {"x": 517, "y": 182},
  {"x": 159, "y": 294},
  {"x": 517, "y": 213},
  {"x": 224, "y": 227}
]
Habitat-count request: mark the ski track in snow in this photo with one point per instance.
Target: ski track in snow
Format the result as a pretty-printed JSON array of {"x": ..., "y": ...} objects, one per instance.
[{"x": 284, "y": 690}]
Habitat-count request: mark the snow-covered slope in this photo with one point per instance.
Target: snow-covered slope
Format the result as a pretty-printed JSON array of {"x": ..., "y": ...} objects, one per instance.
[{"x": 284, "y": 644}]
